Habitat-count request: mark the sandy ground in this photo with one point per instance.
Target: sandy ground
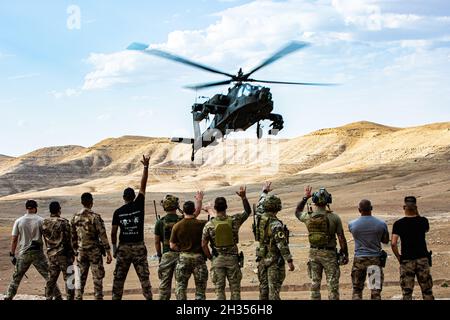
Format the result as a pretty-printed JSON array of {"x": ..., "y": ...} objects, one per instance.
[{"x": 385, "y": 189}]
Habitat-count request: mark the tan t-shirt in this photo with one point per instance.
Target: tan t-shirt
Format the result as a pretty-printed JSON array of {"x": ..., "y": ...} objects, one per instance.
[{"x": 187, "y": 234}]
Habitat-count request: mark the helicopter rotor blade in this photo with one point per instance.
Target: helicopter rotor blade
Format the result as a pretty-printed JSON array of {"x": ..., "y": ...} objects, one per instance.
[
  {"x": 290, "y": 48},
  {"x": 208, "y": 85},
  {"x": 294, "y": 83},
  {"x": 162, "y": 54}
]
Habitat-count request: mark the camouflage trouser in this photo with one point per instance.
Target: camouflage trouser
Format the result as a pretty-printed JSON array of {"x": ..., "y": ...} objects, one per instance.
[
  {"x": 409, "y": 269},
  {"x": 189, "y": 264},
  {"x": 359, "y": 273},
  {"x": 24, "y": 262},
  {"x": 166, "y": 270},
  {"x": 127, "y": 254},
  {"x": 91, "y": 259},
  {"x": 58, "y": 264},
  {"x": 319, "y": 261},
  {"x": 226, "y": 267},
  {"x": 271, "y": 276}
]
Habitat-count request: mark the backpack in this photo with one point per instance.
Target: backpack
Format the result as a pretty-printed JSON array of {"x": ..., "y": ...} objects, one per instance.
[
  {"x": 319, "y": 230},
  {"x": 167, "y": 230},
  {"x": 223, "y": 232}
]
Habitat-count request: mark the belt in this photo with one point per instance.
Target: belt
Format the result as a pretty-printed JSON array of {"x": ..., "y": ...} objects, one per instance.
[
  {"x": 190, "y": 254},
  {"x": 323, "y": 248},
  {"x": 132, "y": 243}
]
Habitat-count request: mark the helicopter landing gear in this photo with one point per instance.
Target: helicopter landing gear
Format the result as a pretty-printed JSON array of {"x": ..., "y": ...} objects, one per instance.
[
  {"x": 277, "y": 123},
  {"x": 259, "y": 131}
]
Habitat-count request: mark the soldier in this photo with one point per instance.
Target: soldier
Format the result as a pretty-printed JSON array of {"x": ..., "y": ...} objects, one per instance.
[
  {"x": 273, "y": 250},
  {"x": 223, "y": 234},
  {"x": 28, "y": 230},
  {"x": 323, "y": 225},
  {"x": 58, "y": 239},
  {"x": 415, "y": 260},
  {"x": 186, "y": 238},
  {"x": 90, "y": 243},
  {"x": 132, "y": 250},
  {"x": 168, "y": 258},
  {"x": 368, "y": 233}
]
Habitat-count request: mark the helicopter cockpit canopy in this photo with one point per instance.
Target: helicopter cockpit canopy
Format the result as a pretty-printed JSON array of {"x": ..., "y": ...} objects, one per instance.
[{"x": 247, "y": 90}]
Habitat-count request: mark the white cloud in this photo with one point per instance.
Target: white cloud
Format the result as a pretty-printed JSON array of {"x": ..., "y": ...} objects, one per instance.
[
  {"x": 67, "y": 93},
  {"x": 246, "y": 34},
  {"x": 104, "y": 117}
]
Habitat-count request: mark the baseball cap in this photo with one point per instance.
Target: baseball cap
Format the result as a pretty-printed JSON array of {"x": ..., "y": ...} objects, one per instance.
[
  {"x": 31, "y": 204},
  {"x": 410, "y": 199}
]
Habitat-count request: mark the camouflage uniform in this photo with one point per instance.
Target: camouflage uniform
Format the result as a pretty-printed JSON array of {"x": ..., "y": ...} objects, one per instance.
[
  {"x": 359, "y": 274},
  {"x": 225, "y": 263},
  {"x": 191, "y": 263},
  {"x": 272, "y": 253},
  {"x": 56, "y": 232},
  {"x": 24, "y": 261},
  {"x": 420, "y": 268},
  {"x": 90, "y": 241},
  {"x": 169, "y": 259},
  {"x": 127, "y": 254},
  {"x": 324, "y": 259},
  {"x": 30, "y": 253}
]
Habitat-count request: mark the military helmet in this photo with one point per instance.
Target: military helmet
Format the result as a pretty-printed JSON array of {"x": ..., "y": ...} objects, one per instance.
[
  {"x": 272, "y": 204},
  {"x": 322, "y": 197},
  {"x": 170, "y": 203}
]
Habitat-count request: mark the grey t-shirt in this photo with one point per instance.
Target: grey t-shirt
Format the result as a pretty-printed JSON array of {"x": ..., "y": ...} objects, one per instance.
[
  {"x": 28, "y": 228},
  {"x": 368, "y": 232}
]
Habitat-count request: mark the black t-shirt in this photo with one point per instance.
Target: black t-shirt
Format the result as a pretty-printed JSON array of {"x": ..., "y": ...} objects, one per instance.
[
  {"x": 130, "y": 219},
  {"x": 411, "y": 231}
]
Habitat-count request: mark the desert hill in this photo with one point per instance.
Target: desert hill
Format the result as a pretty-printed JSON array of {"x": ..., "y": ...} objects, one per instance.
[{"x": 113, "y": 163}]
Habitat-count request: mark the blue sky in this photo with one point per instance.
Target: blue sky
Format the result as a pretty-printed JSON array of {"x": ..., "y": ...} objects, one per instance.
[{"x": 63, "y": 86}]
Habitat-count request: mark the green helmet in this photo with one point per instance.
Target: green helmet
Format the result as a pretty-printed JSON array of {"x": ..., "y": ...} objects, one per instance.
[
  {"x": 170, "y": 203},
  {"x": 272, "y": 204}
]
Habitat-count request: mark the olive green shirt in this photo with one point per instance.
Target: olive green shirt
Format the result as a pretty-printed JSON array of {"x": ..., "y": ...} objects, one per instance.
[{"x": 334, "y": 220}]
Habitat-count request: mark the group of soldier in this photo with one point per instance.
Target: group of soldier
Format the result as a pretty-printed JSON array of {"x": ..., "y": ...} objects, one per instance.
[{"x": 184, "y": 243}]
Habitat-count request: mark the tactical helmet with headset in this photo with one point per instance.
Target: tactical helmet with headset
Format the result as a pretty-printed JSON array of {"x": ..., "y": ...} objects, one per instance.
[{"x": 322, "y": 197}]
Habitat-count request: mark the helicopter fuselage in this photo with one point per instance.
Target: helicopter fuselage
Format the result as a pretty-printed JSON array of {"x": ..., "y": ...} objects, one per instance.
[{"x": 241, "y": 108}]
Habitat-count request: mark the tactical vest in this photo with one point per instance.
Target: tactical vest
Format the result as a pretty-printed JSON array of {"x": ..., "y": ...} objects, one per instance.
[
  {"x": 167, "y": 230},
  {"x": 319, "y": 230},
  {"x": 223, "y": 232}
]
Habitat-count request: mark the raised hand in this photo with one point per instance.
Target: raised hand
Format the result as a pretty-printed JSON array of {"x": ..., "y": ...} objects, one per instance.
[
  {"x": 242, "y": 192},
  {"x": 145, "y": 160},
  {"x": 267, "y": 187},
  {"x": 199, "y": 196},
  {"x": 308, "y": 191}
]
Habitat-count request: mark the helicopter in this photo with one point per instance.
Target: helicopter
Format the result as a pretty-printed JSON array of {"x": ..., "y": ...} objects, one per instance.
[{"x": 243, "y": 106}]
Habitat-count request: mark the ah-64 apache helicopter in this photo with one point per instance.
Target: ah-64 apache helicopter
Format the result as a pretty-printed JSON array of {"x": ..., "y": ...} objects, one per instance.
[{"x": 241, "y": 108}]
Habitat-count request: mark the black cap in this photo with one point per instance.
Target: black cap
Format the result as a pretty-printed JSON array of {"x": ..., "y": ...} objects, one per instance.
[
  {"x": 410, "y": 199},
  {"x": 54, "y": 207},
  {"x": 31, "y": 204}
]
